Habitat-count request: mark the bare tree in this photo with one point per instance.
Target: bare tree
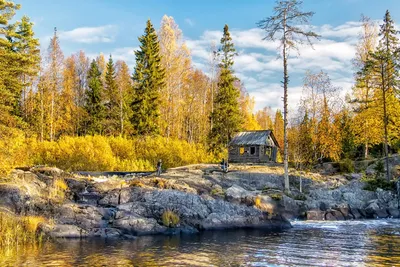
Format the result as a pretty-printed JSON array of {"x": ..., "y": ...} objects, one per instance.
[{"x": 285, "y": 25}]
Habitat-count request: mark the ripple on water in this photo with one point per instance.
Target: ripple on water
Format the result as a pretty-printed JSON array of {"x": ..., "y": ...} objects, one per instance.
[{"x": 347, "y": 243}]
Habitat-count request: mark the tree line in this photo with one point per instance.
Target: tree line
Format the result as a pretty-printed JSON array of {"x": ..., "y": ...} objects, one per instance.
[{"x": 48, "y": 95}]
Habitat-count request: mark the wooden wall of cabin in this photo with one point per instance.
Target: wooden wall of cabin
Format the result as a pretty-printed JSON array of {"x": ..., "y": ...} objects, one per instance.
[{"x": 255, "y": 154}]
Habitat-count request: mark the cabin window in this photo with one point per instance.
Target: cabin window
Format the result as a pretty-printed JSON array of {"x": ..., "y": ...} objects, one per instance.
[
  {"x": 241, "y": 150},
  {"x": 252, "y": 150},
  {"x": 268, "y": 151}
]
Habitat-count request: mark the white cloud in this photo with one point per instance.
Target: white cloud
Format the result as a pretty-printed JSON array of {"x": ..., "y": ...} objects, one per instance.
[
  {"x": 89, "y": 35},
  {"x": 259, "y": 66}
]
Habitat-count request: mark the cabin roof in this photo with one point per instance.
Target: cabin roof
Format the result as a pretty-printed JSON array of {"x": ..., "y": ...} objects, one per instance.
[{"x": 253, "y": 138}]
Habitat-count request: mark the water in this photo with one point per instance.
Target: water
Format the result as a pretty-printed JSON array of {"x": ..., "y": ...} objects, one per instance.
[{"x": 348, "y": 243}]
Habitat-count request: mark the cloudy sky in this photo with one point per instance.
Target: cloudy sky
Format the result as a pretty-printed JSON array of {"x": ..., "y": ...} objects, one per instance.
[{"x": 112, "y": 27}]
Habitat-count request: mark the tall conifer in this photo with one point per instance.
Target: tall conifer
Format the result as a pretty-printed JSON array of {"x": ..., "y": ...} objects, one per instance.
[
  {"x": 94, "y": 104},
  {"x": 111, "y": 99},
  {"x": 226, "y": 116},
  {"x": 148, "y": 80}
]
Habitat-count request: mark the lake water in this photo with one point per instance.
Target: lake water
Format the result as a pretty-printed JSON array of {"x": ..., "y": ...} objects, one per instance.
[{"x": 348, "y": 243}]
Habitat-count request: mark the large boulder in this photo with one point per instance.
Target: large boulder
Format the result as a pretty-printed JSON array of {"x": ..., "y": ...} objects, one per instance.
[
  {"x": 66, "y": 231},
  {"x": 394, "y": 212},
  {"x": 133, "y": 224},
  {"x": 12, "y": 198},
  {"x": 334, "y": 215}
]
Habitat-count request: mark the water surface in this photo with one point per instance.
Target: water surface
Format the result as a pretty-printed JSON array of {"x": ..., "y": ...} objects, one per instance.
[{"x": 348, "y": 243}]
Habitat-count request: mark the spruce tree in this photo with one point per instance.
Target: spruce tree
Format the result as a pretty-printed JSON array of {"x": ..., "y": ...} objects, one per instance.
[
  {"x": 94, "y": 104},
  {"x": 148, "y": 78},
  {"x": 19, "y": 62},
  {"x": 384, "y": 66},
  {"x": 226, "y": 116},
  {"x": 111, "y": 99}
]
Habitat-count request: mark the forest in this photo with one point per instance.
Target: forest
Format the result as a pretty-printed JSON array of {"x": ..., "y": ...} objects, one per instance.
[{"x": 76, "y": 112}]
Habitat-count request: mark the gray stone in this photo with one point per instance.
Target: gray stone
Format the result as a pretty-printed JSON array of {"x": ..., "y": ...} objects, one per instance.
[
  {"x": 356, "y": 214},
  {"x": 334, "y": 215},
  {"x": 130, "y": 223},
  {"x": 238, "y": 194},
  {"x": 394, "y": 212},
  {"x": 67, "y": 231}
]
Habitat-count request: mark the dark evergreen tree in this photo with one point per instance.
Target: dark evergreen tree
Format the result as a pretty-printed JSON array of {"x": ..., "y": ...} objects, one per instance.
[
  {"x": 19, "y": 63},
  {"x": 94, "y": 105},
  {"x": 305, "y": 142},
  {"x": 111, "y": 126},
  {"x": 384, "y": 67},
  {"x": 148, "y": 78},
  {"x": 226, "y": 116}
]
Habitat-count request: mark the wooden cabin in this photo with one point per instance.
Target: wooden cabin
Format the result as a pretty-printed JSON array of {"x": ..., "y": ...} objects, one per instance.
[{"x": 253, "y": 147}]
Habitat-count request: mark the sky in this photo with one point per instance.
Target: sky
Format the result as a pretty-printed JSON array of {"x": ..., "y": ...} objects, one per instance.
[{"x": 113, "y": 26}]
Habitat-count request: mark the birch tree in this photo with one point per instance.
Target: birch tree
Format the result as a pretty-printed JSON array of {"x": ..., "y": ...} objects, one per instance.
[{"x": 284, "y": 25}]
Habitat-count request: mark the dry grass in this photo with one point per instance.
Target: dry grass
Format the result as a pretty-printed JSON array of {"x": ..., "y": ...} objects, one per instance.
[
  {"x": 57, "y": 190},
  {"x": 16, "y": 231},
  {"x": 170, "y": 218}
]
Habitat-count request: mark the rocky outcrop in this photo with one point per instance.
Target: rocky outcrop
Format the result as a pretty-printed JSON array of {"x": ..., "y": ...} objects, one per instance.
[{"x": 118, "y": 209}]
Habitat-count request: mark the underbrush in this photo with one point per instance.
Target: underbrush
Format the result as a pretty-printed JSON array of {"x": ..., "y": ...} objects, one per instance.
[
  {"x": 98, "y": 153},
  {"x": 373, "y": 183},
  {"x": 17, "y": 231}
]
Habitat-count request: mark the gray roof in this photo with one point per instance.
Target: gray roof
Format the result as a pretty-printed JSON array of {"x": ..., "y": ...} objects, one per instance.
[{"x": 253, "y": 138}]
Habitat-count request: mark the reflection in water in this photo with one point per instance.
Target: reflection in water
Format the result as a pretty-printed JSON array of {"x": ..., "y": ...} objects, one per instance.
[{"x": 352, "y": 243}]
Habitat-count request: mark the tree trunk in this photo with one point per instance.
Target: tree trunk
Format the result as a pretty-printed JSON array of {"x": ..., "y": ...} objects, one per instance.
[
  {"x": 285, "y": 108},
  {"x": 385, "y": 122}
]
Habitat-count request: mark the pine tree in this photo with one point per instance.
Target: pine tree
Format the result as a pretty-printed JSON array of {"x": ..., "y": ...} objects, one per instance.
[
  {"x": 226, "y": 116},
  {"x": 94, "y": 105},
  {"x": 148, "y": 80},
  {"x": 285, "y": 23},
  {"x": 305, "y": 142},
  {"x": 111, "y": 100},
  {"x": 19, "y": 61},
  {"x": 384, "y": 66}
]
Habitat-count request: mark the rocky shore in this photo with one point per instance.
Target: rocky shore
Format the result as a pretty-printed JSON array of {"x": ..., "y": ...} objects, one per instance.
[
  {"x": 125, "y": 207},
  {"x": 187, "y": 200}
]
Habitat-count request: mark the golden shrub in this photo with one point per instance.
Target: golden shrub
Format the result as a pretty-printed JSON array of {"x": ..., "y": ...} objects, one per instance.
[{"x": 170, "y": 218}]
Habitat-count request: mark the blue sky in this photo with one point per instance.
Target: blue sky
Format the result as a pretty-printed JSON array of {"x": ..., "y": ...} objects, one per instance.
[{"x": 112, "y": 27}]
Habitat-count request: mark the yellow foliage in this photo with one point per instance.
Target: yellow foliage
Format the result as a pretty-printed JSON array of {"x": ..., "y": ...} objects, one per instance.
[
  {"x": 170, "y": 218},
  {"x": 57, "y": 190},
  {"x": 257, "y": 202},
  {"x": 136, "y": 183},
  {"x": 99, "y": 153},
  {"x": 12, "y": 149}
]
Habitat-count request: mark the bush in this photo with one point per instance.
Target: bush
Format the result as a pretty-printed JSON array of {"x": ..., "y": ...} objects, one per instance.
[
  {"x": 374, "y": 183},
  {"x": 257, "y": 202},
  {"x": 276, "y": 196},
  {"x": 219, "y": 192},
  {"x": 380, "y": 167},
  {"x": 346, "y": 166},
  {"x": 170, "y": 219},
  {"x": 136, "y": 183},
  {"x": 98, "y": 153},
  {"x": 13, "y": 146}
]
